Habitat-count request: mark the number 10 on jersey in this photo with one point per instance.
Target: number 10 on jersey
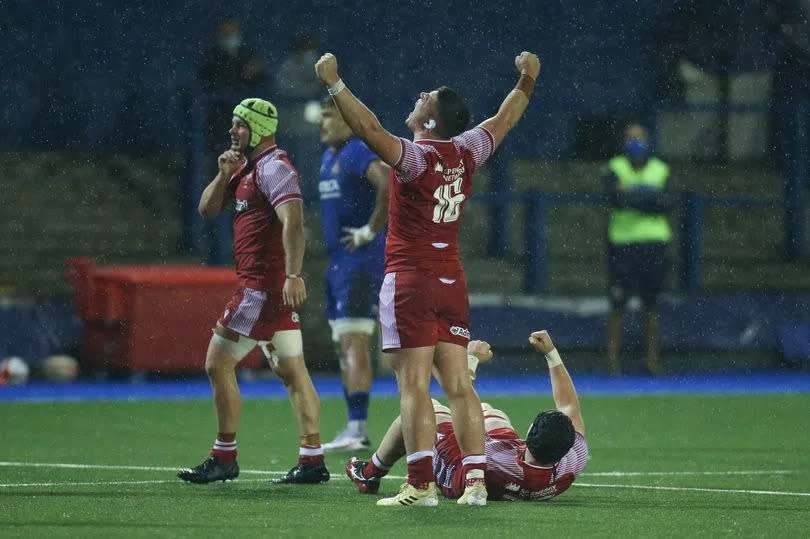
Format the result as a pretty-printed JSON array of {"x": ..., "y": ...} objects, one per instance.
[{"x": 449, "y": 198}]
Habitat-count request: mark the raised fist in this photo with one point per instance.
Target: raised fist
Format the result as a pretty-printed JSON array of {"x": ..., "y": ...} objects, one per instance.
[
  {"x": 541, "y": 341},
  {"x": 229, "y": 161},
  {"x": 326, "y": 69},
  {"x": 481, "y": 350},
  {"x": 528, "y": 63}
]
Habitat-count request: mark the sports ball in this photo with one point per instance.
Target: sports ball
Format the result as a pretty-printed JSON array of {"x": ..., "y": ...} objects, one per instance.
[
  {"x": 60, "y": 368},
  {"x": 13, "y": 371}
]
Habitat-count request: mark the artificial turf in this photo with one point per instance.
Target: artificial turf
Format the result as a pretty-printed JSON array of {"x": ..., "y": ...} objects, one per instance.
[{"x": 723, "y": 443}]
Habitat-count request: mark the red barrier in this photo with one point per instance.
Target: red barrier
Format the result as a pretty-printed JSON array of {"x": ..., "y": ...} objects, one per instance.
[{"x": 149, "y": 318}]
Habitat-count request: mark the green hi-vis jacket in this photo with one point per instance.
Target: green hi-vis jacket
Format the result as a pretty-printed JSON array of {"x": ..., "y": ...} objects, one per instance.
[{"x": 628, "y": 225}]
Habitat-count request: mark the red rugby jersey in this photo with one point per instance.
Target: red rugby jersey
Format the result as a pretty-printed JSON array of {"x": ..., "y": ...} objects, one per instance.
[
  {"x": 428, "y": 188},
  {"x": 258, "y": 187}
]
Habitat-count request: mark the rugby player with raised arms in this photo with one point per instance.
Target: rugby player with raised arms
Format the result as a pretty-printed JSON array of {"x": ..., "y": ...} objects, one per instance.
[
  {"x": 424, "y": 311},
  {"x": 540, "y": 466}
]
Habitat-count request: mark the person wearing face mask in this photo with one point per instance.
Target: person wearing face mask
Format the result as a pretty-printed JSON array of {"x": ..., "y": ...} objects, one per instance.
[
  {"x": 638, "y": 236},
  {"x": 227, "y": 67},
  {"x": 229, "y": 64}
]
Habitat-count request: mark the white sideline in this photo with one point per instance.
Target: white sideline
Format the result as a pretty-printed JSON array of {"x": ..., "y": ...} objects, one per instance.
[
  {"x": 695, "y": 489},
  {"x": 270, "y": 472},
  {"x": 99, "y": 483},
  {"x": 728, "y": 472}
]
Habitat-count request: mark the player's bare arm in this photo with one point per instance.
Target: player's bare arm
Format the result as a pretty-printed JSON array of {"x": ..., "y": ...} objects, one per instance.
[
  {"x": 515, "y": 103},
  {"x": 363, "y": 122},
  {"x": 377, "y": 174},
  {"x": 291, "y": 215},
  {"x": 562, "y": 387},
  {"x": 477, "y": 352},
  {"x": 214, "y": 197}
]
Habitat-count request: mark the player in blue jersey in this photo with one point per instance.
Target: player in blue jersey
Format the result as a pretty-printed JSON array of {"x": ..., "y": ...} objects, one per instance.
[{"x": 354, "y": 207}]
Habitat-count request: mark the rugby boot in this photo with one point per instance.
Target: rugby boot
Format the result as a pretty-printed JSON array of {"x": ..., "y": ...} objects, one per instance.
[
  {"x": 475, "y": 493},
  {"x": 304, "y": 474},
  {"x": 348, "y": 440},
  {"x": 410, "y": 496},
  {"x": 209, "y": 471},
  {"x": 354, "y": 469}
]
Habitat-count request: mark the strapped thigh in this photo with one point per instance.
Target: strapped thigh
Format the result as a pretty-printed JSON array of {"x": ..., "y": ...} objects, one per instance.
[
  {"x": 288, "y": 343},
  {"x": 237, "y": 349}
]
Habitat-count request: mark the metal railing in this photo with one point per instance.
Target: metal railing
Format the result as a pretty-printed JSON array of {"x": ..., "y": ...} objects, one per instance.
[{"x": 536, "y": 206}]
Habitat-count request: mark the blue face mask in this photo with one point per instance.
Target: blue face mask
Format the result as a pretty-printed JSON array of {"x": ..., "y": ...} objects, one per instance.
[
  {"x": 637, "y": 149},
  {"x": 231, "y": 43}
]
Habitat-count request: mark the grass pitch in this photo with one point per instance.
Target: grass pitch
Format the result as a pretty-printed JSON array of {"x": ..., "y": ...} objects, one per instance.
[{"x": 687, "y": 465}]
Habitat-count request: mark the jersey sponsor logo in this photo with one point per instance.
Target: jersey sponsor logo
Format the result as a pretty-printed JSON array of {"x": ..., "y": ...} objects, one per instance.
[
  {"x": 546, "y": 493},
  {"x": 329, "y": 189},
  {"x": 452, "y": 174},
  {"x": 460, "y": 331},
  {"x": 241, "y": 205},
  {"x": 294, "y": 317}
]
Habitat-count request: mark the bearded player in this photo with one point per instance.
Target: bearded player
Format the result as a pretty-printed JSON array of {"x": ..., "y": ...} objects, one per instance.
[
  {"x": 354, "y": 207},
  {"x": 268, "y": 245},
  {"x": 424, "y": 312},
  {"x": 538, "y": 467}
]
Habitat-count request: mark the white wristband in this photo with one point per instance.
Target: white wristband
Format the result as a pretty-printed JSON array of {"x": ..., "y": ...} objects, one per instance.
[
  {"x": 553, "y": 359},
  {"x": 337, "y": 88},
  {"x": 472, "y": 362}
]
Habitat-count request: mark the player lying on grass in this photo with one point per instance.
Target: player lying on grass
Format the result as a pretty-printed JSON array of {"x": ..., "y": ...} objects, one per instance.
[{"x": 538, "y": 467}]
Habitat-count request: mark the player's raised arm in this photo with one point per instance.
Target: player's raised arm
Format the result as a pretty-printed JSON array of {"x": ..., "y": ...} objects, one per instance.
[
  {"x": 562, "y": 387},
  {"x": 477, "y": 352},
  {"x": 515, "y": 103},
  {"x": 363, "y": 122},
  {"x": 213, "y": 198}
]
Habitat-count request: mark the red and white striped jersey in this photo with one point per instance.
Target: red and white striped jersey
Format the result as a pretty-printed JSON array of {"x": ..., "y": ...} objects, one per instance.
[
  {"x": 428, "y": 189},
  {"x": 508, "y": 475},
  {"x": 258, "y": 187}
]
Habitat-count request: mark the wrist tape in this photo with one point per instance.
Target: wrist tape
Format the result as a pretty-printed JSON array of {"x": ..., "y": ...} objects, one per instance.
[{"x": 553, "y": 359}]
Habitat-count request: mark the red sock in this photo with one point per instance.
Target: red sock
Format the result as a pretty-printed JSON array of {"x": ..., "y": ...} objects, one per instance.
[
  {"x": 224, "y": 451},
  {"x": 310, "y": 454},
  {"x": 375, "y": 467},
  {"x": 420, "y": 469},
  {"x": 474, "y": 462}
]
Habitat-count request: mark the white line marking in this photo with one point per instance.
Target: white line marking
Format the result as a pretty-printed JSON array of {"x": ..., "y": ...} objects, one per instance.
[
  {"x": 696, "y": 489},
  {"x": 272, "y": 472},
  {"x": 115, "y": 467},
  {"x": 729, "y": 472},
  {"x": 99, "y": 483},
  {"x": 397, "y": 477}
]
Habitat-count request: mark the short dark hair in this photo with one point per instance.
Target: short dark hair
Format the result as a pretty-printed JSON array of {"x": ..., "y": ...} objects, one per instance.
[
  {"x": 550, "y": 436},
  {"x": 454, "y": 116}
]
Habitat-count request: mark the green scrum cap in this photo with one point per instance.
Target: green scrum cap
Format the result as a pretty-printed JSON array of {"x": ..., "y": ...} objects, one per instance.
[{"x": 261, "y": 117}]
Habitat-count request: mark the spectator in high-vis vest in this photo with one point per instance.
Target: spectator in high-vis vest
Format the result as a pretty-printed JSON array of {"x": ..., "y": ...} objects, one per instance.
[{"x": 638, "y": 235}]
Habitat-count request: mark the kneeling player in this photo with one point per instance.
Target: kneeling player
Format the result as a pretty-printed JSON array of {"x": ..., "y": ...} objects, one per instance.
[{"x": 539, "y": 467}]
